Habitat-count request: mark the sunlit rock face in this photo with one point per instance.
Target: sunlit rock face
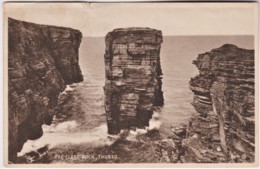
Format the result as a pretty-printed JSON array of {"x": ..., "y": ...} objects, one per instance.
[
  {"x": 41, "y": 61},
  {"x": 133, "y": 77},
  {"x": 224, "y": 92}
]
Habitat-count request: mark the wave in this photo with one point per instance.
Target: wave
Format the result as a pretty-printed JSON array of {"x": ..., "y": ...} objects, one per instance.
[{"x": 64, "y": 133}]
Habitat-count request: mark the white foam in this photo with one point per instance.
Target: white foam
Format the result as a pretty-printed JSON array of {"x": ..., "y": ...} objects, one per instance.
[
  {"x": 66, "y": 133},
  {"x": 155, "y": 122},
  {"x": 66, "y": 126},
  {"x": 54, "y": 136},
  {"x": 70, "y": 88}
]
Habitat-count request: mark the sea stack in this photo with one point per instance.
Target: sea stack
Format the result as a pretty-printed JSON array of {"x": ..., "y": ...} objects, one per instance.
[
  {"x": 133, "y": 77},
  {"x": 42, "y": 60},
  {"x": 224, "y": 97}
]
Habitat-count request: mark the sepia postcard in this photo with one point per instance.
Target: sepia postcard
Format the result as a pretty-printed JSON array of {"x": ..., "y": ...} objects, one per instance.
[{"x": 131, "y": 84}]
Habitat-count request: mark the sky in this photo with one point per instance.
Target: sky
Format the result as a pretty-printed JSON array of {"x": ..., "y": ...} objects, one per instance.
[{"x": 97, "y": 19}]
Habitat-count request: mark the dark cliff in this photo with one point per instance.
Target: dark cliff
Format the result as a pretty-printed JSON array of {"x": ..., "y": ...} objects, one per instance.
[
  {"x": 133, "y": 77},
  {"x": 224, "y": 130},
  {"x": 42, "y": 60}
]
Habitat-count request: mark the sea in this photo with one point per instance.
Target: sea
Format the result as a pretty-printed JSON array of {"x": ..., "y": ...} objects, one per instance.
[{"x": 78, "y": 133}]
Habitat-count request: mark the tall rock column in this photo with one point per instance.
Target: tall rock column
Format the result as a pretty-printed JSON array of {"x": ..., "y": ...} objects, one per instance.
[{"x": 133, "y": 77}]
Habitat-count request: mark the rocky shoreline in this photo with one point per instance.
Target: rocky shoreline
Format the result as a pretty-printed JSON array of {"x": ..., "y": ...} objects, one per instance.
[{"x": 224, "y": 129}]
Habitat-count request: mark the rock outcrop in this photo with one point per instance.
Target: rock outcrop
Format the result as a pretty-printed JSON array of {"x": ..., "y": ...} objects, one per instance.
[
  {"x": 42, "y": 60},
  {"x": 133, "y": 77},
  {"x": 224, "y": 130}
]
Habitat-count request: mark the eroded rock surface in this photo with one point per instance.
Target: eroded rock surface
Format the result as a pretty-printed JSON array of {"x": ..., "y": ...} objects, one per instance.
[
  {"x": 224, "y": 130},
  {"x": 133, "y": 77},
  {"x": 42, "y": 60}
]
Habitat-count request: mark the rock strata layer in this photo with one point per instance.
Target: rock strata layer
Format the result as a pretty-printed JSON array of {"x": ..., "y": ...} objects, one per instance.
[
  {"x": 133, "y": 77},
  {"x": 42, "y": 60},
  {"x": 224, "y": 130}
]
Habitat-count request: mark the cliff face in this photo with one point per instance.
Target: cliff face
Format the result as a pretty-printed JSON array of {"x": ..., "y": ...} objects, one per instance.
[
  {"x": 224, "y": 130},
  {"x": 42, "y": 60},
  {"x": 133, "y": 82}
]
